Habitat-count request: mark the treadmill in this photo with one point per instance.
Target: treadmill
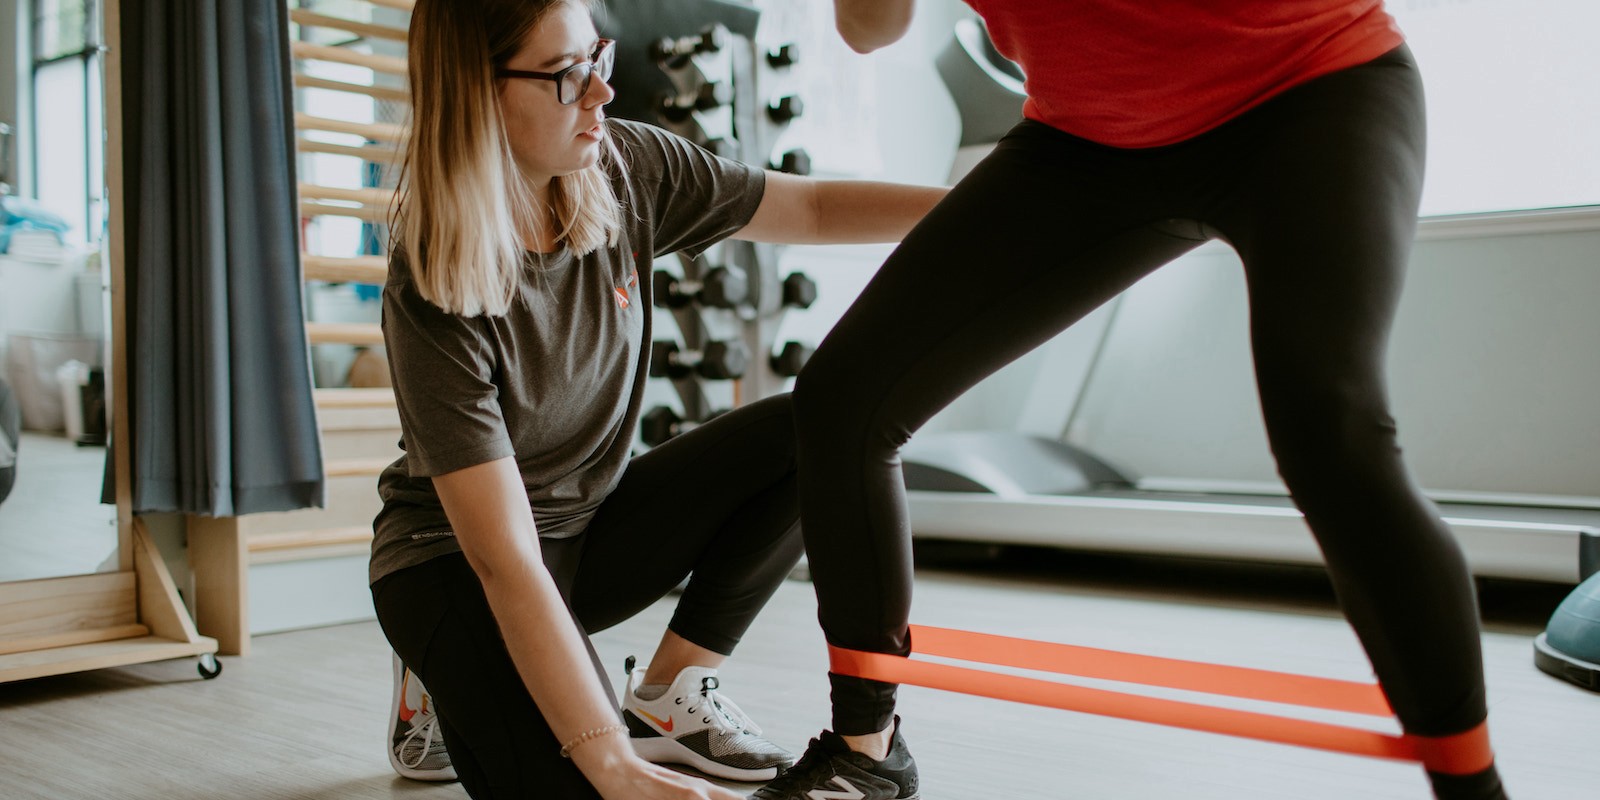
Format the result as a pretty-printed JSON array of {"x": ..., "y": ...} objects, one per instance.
[{"x": 1011, "y": 488}]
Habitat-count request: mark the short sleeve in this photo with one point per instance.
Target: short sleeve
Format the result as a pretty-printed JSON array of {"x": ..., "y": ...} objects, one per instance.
[
  {"x": 443, "y": 366},
  {"x": 697, "y": 198}
]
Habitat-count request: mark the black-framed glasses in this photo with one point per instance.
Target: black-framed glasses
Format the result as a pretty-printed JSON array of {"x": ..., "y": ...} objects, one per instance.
[{"x": 573, "y": 82}]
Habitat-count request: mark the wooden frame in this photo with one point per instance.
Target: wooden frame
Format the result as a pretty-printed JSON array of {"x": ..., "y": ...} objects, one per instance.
[
  {"x": 381, "y": 131},
  {"x": 359, "y": 269},
  {"x": 340, "y": 55},
  {"x": 312, "y": 19},
  {"x": 375, "y": 92},
  {"x": 133, "y": 615}
]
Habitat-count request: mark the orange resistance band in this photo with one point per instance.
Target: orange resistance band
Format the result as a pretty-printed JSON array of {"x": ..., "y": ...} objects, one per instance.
[{"x": 1457, "y": 754}]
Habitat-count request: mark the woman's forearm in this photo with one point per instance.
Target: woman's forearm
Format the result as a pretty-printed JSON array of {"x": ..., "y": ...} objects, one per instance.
[
  {"x": 488, "y": 510},
  {"x": 798, "y": 210},
  {"x": 554, "y": 665},
  {"x": 868, "y": 211}
]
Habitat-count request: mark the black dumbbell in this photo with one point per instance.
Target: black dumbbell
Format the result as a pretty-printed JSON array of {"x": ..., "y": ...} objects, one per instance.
[
  {"x": 799, "y": 290},
  {"x": 794, "y": 162},
  {"x": 719, "y": 361},
  {"x": 787, "y": 108},
  {"x": 784, "y": 56},
  {"x": 711, "y": 94},
  {"x": 791, "y": 358},
  {"x": 719, "y": 288},
  {"x": 675, "y": 52},
  {"x": 662, "y": 423}
]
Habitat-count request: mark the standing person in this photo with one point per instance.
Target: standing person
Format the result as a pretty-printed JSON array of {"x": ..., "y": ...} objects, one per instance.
[
  {"x": 516, "y": 522},
  {"x": 1291, "y": 130}
]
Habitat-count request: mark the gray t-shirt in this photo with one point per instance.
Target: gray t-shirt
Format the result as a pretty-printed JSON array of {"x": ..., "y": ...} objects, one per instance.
[{"x": 557, "y": 381}]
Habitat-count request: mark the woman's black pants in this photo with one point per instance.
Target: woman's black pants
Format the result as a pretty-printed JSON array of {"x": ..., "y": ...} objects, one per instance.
[
  {"x": 716, "y": 505},
  {"x": 1317, "y": 190}
]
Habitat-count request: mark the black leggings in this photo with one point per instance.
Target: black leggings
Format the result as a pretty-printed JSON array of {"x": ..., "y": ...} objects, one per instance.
[
  {"x": 1317, "y": 190},
  {"x": 717, "y": 505}
]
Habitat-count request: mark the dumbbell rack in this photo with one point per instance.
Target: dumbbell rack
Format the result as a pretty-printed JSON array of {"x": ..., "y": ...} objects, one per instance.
[{"x": 723, "y": 98}]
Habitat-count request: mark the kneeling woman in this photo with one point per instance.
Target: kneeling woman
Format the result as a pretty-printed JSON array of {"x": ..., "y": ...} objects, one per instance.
[{"x": 516, "y": 522}]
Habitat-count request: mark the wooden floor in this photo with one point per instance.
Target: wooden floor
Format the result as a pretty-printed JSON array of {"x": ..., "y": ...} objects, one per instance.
[{"x": 303, "y": 717}]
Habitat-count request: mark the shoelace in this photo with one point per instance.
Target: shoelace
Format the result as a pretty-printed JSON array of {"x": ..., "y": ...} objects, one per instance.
[
  {"x": 811, "y": 756},
  {"x": 427, "y": 727},
  {"x": 729, "y": 715}
]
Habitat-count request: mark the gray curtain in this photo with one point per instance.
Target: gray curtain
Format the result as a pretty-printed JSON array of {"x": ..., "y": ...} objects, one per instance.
[{"x": 222, "y": 421}]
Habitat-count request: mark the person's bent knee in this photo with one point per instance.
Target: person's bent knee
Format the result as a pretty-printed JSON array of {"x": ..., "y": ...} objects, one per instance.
[
  {"x": 821, "y": 403},
  {"x": 1344, "y": 443}
]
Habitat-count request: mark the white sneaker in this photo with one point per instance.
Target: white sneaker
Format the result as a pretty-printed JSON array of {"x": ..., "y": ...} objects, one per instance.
[
  {"x": 695, "y": 725},
  {"x": 416, "y": 750}
]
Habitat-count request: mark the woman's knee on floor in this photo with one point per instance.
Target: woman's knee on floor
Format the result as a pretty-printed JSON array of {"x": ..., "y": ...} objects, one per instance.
[{"x": 778, "y": 436}]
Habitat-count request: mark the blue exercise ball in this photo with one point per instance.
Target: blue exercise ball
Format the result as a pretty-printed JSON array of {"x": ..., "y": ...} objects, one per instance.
[{"x": 1569, "y": 648}]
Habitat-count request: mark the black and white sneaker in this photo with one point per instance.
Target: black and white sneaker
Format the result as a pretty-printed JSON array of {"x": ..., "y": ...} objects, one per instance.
[
  {"x": 416, "y": 748},
  {"x": 830, "y": 769},
  {"x": 696, "y": 725}
]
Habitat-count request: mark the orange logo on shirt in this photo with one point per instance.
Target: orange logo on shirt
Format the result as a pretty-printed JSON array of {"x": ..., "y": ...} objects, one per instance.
[{"x": 623, "y": 294}]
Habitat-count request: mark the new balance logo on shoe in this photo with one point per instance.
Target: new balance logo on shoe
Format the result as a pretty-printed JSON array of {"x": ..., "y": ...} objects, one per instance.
[
  {"x": 850, "y": 791},
  {"x": 830, "y": 770}
]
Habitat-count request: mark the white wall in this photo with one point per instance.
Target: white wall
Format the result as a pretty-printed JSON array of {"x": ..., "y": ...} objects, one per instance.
[
  {"x": 884, "y": 115},
  {"x": 1513, "y": 110}
]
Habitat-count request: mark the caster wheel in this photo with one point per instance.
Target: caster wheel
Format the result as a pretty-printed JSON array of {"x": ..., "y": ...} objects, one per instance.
[{"x": 209, "y": 667}]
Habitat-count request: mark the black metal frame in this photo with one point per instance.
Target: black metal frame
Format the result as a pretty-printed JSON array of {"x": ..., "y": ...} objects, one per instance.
[{"x": 605, "y": 50}]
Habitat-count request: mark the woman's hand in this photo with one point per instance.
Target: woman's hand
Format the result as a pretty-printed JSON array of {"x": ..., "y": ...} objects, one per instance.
[{"x": 636, "y": 779}]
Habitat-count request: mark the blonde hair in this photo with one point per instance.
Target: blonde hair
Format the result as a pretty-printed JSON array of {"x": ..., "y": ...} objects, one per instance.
[{"x": 462, "y": 204}]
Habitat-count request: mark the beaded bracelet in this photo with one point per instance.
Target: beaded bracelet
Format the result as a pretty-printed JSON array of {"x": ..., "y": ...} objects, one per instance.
[{"x": 593, "y": 733}]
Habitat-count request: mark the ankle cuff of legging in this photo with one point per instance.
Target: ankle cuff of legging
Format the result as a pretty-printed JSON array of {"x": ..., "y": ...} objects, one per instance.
[
  {"x": 1464, "y": 753},
  {"x": 861, "y": 706}
]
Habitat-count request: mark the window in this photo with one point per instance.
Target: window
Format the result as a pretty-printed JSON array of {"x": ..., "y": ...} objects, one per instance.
[
  {"x": 1513, "y": 112},
  {"x": 68, "y": 123}
]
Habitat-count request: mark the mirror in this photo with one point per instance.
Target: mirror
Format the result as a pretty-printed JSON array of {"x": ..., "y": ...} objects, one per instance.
[
  {"x": 52, "y": 523},
  {"x": 53, "y": 304}
]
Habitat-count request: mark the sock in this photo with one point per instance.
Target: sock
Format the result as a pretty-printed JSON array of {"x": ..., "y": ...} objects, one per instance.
[
  {"x": 888, "y": 745},
  {"x": 1483, "y": 785},
  {"x": 651, "y": 691}
]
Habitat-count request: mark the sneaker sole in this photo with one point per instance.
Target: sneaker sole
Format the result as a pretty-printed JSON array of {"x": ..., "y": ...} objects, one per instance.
[
  {"x": 430, "y": 775},
  {"x": 661, "y": 750}
]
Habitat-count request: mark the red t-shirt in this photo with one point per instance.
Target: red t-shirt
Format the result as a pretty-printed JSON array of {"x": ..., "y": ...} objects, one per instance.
[{"x": 1145, "y": 73}]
